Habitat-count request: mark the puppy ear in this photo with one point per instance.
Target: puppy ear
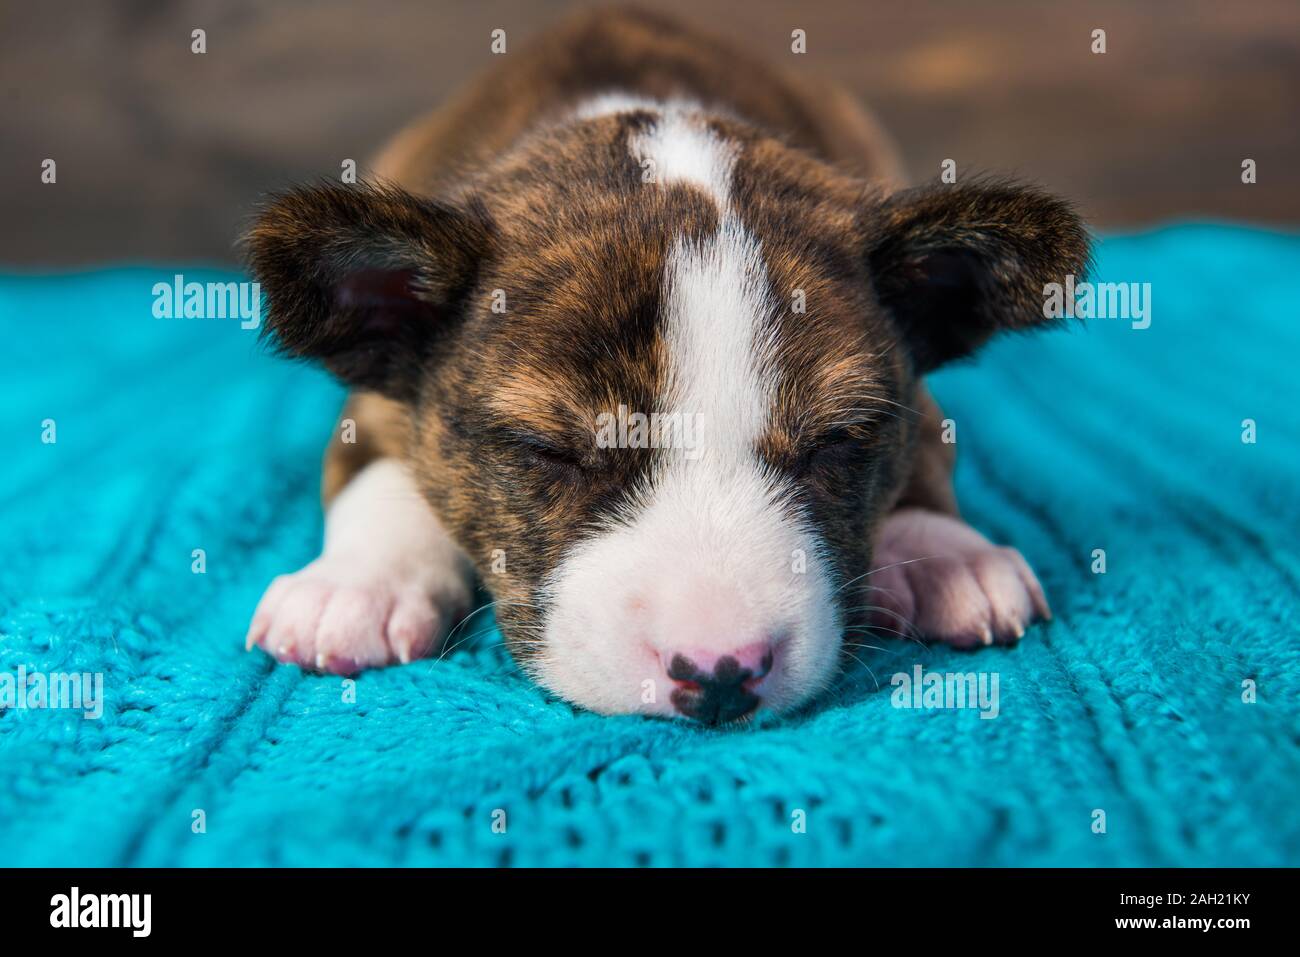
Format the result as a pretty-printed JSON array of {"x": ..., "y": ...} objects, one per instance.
[
  {"x": 365, "y": 279},
  {"x": 956, "y": 264}
]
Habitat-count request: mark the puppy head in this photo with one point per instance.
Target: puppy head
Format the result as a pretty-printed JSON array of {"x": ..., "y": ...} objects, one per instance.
[{"x": 662, "y": 414}]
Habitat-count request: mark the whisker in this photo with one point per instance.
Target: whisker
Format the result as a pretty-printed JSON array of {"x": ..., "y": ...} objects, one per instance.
[
  {"x": 923, "y": 558},
  {"x": 902, "y": 620},
  {"x": 876, "y": 629},
  {"x": 449, "y": 646},
  {"x": 860, "y": 645},
  {"x": 865, "y": 665}
]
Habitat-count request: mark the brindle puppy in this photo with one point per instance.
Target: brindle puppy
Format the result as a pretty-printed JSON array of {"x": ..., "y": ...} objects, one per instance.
[{"x": 636, "y": 328}]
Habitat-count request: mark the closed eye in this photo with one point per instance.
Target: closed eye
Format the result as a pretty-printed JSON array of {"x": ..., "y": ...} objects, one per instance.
[
  {"x": 832, "y": 449},
  {"x": 548, "y": 454}
]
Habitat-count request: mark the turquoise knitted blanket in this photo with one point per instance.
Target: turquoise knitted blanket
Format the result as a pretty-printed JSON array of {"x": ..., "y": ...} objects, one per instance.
[{"x": 159, "y": 472}]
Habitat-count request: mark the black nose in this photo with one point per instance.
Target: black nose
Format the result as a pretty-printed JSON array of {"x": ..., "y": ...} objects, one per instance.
[{"x": 711, "y": 697}]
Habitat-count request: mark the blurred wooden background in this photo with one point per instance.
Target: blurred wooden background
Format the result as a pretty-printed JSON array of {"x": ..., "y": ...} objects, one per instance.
[{"x": 161, "y": 152}]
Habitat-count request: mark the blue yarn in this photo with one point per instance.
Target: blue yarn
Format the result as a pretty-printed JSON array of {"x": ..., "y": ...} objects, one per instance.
[{"x": 175, "y": 435}]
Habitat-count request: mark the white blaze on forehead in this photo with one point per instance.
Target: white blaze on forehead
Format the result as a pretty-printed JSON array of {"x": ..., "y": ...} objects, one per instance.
[
  {"x": 718, "y": 327},
  {"x": 708, "y": 555},
  {"x": 679, "y": 147},
  {"x": 718, "y": 306},
  {"x": 608, "y": 104}
]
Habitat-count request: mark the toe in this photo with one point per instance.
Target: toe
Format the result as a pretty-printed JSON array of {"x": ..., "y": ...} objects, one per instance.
[
  {"x": 413, "y": 628},
  {"x": 264, "y": 615},
  {"x": 351, "y": 633},
  {"x": 257, "y": 630},
  {"x": 1032, "y": 586},
  {"x": 955, "y": 608},
  {"x": 1010, "y": 605},
  {"x": 291, "y": 636}
]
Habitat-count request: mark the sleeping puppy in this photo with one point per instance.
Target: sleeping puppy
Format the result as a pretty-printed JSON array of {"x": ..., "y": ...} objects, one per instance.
[{"x": 635, "y": 329}]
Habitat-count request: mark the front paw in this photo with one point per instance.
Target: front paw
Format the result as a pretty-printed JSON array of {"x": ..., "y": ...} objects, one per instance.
[
  {"x": 938, "y": 578},
  {"x": 328, "y": 618}
]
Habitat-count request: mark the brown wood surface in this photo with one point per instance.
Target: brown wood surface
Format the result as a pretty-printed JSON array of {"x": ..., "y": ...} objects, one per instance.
[{"x": 161, "y": 152}]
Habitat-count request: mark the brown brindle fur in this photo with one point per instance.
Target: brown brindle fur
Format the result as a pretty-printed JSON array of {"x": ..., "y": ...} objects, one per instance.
[
  {"x": 640, "y": 52},
  {"x": 568, "y": 232},
  {"x": 637, "y": 52}
]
